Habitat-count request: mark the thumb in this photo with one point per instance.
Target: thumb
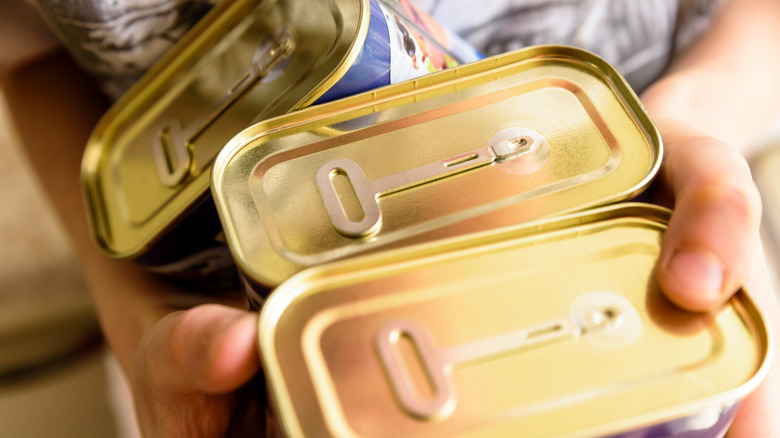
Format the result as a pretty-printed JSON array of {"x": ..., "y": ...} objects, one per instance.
[
  {"x": 710, "y": 244},
  {"x": 210, "y": 348}
]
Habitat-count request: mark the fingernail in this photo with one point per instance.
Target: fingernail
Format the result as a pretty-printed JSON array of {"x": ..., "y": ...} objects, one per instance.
[{"x": 699, "y": 276}]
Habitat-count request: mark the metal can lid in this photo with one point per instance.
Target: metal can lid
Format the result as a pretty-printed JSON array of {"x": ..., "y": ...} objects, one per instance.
[
  {"x": 555, "y": 328},
  {"x": 528, "y": 134},
  {"x": 148, "y": 161}
]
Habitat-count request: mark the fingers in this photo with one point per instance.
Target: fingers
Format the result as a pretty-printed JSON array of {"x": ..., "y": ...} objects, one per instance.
[
  {"x": 210, "y": 349},
  {"x": 710, "y": 244}
]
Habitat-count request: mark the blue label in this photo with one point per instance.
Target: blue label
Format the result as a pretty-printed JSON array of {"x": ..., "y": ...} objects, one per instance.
[{"x": 403, "y": 43}]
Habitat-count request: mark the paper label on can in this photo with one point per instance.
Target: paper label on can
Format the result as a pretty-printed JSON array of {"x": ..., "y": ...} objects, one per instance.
[
  {"x": 413, "y": 54},
  {"x": 403, "y": 42}
]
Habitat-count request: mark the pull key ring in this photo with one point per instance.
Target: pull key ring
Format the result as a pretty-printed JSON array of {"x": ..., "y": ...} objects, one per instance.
[
  {"x": 605, "y": 319},
  {"x": 507, "y": 145}
]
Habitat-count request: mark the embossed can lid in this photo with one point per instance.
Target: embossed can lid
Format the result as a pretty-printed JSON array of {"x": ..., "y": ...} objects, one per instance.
[
  {"x": 534, "y": 133},
  {"x": 148, "y": 162},
  {"x": 550, "y": 329}
]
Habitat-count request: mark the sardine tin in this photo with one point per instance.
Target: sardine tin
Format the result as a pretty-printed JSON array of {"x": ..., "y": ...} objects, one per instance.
[
  {"x": 146, "y": 168},
  {"x": 276, "y": 184},
  {"x": 552, "y": 329}
]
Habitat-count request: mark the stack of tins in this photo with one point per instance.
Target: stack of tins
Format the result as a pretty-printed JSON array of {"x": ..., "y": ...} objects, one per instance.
[
  {"x": 146, "y": 169},
  {"x": 410, "y": 298},
  {"x": 449, "y": 257}
]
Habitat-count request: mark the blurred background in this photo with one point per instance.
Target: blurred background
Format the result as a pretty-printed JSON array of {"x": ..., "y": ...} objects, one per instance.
[{"x": 56, "y": 378}]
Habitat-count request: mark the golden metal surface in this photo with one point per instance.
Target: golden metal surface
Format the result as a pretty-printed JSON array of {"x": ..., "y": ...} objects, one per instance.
[
  {"x": 597, "y": 145},
  {"x": 556, "y": 328},
  {"x": 148, "y": 161}
]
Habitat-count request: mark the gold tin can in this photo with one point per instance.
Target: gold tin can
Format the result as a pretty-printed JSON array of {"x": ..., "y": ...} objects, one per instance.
[
  {"x": 146, "y": 169},
  {"x": 528, "y": 134},
  {"x": 552, "y": 329}
]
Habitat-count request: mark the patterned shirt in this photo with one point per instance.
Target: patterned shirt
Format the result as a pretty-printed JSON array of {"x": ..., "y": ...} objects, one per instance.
[
  {"x": 118, "y": 40},
  {"x": 639, "y": 37}
]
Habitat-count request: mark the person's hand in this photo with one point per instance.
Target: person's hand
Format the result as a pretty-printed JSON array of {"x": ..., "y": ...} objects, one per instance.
[
  {"x": 713, "y": 104},
  {"x": 185, "y": 354},
  {"x": 189, "y": 364},
  {"x": 712, "y": 246},
  {"x": 713, "y": 235}
]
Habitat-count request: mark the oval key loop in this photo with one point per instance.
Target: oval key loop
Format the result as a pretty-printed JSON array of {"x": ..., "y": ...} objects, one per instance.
[
  {"x": 172, "y": 143},
  {"x": 171, "y": 154},
  {"x": 363, "y": 191},
  {"x": 604, "y": 317},
  {"x": 506, "y": 146},
  {"x": 443, "y": 400}
]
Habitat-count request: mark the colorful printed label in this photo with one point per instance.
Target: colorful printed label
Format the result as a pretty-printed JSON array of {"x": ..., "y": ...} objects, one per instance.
[
  {"x": 418, "y": 44},
  {"x": 403, "y": 42}
]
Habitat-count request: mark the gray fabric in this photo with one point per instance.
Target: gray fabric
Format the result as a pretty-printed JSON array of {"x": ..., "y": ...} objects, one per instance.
[
  {"x": 637, "y": 36},
  {"x": 118, "y": 40}
]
